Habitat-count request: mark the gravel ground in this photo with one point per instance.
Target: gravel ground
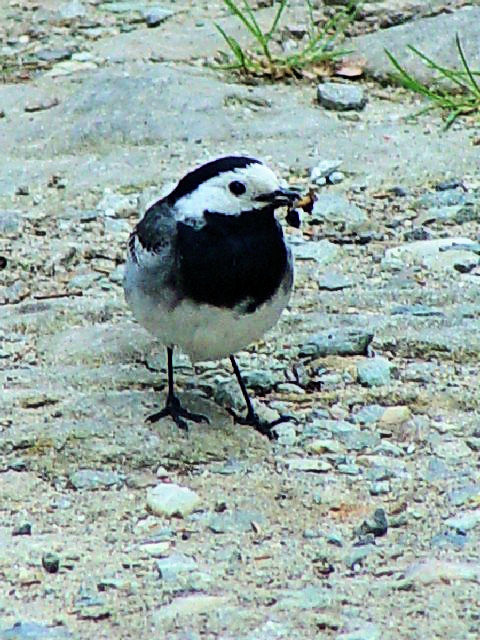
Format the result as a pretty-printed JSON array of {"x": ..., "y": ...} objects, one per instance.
[{"x": 362, "y": 520}]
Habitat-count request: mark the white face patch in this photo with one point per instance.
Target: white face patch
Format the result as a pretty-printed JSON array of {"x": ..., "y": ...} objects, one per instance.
[{"x": 215, "y": 194}]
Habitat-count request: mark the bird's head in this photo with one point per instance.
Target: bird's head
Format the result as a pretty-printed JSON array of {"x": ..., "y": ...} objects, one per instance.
[{"x": 228, "y": 185}]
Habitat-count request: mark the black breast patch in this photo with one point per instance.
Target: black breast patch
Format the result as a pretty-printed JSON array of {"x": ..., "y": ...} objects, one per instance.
[{"x": 232, "y": 259}]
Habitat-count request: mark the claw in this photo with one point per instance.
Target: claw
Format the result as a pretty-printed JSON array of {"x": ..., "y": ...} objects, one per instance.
[{"x": 174, "y": 409}]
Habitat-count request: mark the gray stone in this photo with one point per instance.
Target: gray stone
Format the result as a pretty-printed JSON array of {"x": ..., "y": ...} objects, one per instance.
[
  {"x": 10, "y": 222},
  {"x": 187, "y": 606},
  {"x": 458, "y": 214},
  {"x": 374, "y": 372},
  {"x": 368, "y": 414},
  {"x": 118, "y": 205},
  {"x": 416, "y": 310},
  {"x": 178, "y": 563},
  {"x": 259, "y": 379},
  {"x": 125, "y": 6},
  {"x": 337, "y": 341},
  {"x": 53, "y": 55},
  {"x": 334, "y": 209},
  {"x": 334, "y": 281},
  {"x": 464, "y": 522},
  {"x": 51, "y": 562},
  {"x": 286, "y": 433},
  {"x": 323, "y": 169},
  {"x": 439, "y": 571},
  {"x": 432, "y": 254},
  {"x": 307, "y": 598},
  {"x": 34, "y": 631},
  {"x": 172, "y": 500},
  {"x": 322, "y": 251},
  {"x": 240, "y": 521},
  {"x": 377, "y": 524},
  {"x": 72, "y": 9},
  {"x": 154, "y": 16},
  {"x": 367, "y": 631},
  {"x": 92, "y": 479},
  {"x": 435, "y": 37},
  {"x": 358, "y": 554},
  {"x": 341, "y": 97},
  {"x": 308, "y": 464},
  {"x": 464, "y": 495}
]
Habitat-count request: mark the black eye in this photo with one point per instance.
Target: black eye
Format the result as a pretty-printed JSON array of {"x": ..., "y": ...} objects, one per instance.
[{"x": 237, "y": 188}]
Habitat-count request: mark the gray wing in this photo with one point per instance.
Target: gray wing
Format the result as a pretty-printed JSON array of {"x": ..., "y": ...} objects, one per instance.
[{"x": 156, "y": 230}]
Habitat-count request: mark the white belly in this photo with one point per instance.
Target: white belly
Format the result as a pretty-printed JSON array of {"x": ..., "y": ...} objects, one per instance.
[{"x": 202, "y": 331}]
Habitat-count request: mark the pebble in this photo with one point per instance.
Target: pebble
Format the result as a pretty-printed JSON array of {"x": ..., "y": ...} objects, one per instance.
[
  {"x": 308, "y": 464},
  {"x": 34, "y": 631},
  {"x": 154, "y": 16},
  {"x": 286, "y": 433},
  {"x": 377, "y": 524},
  {"x": 341, "y": 97},
  {"x": 172, "y": 500},
  {"x": 91, "y": 479},
  {"x": 308, "y": 598},
  {"x": 395, "y": 415},
  {"x": 53, "y": 55},
  {"x": 24, "y": 529},
  {"x": 240, "y": 521},
  {"x": 10, "y": 222},
  {"x": 368, "y": 414},
  {"x": 259, "y": 379},
  {"x": 374, "y": 372},
  {"x": 178, "y": 563},
  {"x": 186, "y": 606},
  {"x": 448, "y": 539},
  {"x": 451, "y": 449},
  {"x": 325, "y": 446},
  {"x": 336, "y": 210},
  {"x": 323, "y": 252},
  {"x": 51, "y": 562},
  {"x": 358, "y": 554},
  {"x": 439, "y": 571},
  {"x": 334, "y": 282},
  {"x": 71, "y": 10},
  {"x": 337, "y": 341},
  {"x": 445, "y": 198},
  {"x": 323, "y": 169},
  {"x": 116, "y": 205},
  {"x": 367, "y": 632},
  {"x": 464, "y": 495},
  {"x": 464, "y": 522},
  {"x": 432, "y": 254},
  {"x": 381, "y": 488}
]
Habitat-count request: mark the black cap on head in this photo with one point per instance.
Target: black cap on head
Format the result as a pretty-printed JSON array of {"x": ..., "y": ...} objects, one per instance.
[{"x": 194, "y": 178}]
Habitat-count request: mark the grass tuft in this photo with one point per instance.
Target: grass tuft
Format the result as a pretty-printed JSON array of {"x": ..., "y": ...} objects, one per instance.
[
  {"x": 463, "y": 96},
  {"x": 265, "y": 58}
]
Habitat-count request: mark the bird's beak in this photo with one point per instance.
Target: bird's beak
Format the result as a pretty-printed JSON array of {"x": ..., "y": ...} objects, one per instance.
[{"x": 279, "y": 198}]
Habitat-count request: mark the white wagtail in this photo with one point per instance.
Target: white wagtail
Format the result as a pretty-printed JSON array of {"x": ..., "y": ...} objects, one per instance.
[{"x": 208, "y": 269}]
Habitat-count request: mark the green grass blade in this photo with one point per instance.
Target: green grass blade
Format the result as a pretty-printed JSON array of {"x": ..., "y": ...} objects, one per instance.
[
  {"x": 281, "y": 8},
  {"x": 255, "y": 27},
  {"x": 475, "y": 87},
  {"x": 409, "y": 81},
  {"x": 252, "y": 27},
  {"x": 234, "y": 47},
  {"x": 451, "y": 74}
]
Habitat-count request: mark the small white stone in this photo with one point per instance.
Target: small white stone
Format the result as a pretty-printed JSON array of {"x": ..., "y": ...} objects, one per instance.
[{"x": 171, "y": 500}]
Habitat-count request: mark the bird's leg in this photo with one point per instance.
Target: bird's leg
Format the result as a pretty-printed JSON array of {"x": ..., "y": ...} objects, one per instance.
[
  {"x": 173, "y": 408},
  {"x": 252, "y": 418}
]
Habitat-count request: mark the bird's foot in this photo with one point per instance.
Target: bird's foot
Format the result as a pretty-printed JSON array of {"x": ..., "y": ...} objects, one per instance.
[
  {"x": 174, "y": 409},
  {"x": 262, "y": 426}
]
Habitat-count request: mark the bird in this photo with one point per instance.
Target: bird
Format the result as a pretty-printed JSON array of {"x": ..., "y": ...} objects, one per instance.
[{"x": 208, "y": 269}]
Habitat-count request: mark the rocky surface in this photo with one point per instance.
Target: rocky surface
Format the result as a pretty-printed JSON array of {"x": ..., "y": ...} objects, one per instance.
[{"x": 361, "y": 521}]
